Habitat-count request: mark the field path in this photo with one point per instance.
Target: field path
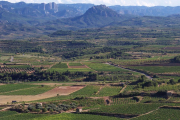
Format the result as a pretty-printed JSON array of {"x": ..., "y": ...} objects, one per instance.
[
  {"x": 99, "y": 90},
  {"x": 63, "y": 90},
  {"x": 123, "y": 89},
  {"x": 89, "y": 67},
  {"x": 146, "y": 113}
]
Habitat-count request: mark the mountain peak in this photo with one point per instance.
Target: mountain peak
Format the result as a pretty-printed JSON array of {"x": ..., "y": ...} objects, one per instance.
[{"x": 102, "y": 10}]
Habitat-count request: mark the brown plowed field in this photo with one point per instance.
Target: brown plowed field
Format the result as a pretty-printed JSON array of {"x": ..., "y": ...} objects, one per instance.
[{"x": 63, "y": 90}]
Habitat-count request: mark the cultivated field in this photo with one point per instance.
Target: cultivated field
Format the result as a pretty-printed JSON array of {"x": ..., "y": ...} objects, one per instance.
[
  {"x": 63, "y": 90},
  {"x": 103, "y": 67}
]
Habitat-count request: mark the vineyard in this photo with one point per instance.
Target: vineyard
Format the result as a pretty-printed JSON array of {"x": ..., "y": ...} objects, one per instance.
[
  {"x": 70, "y": 69},
  {"x": 138, "y": 108},
  {"x": 12, "y": 87},
  {"x": 117, "y": 101},
  {"x": 60, "y": 65},
  {"x": 70, "y": 116},
  {"x": 158, "y": 69},
  {"x": 75, "y": 64},
  {"x": 87, "y": 91},
  {"x": 29, "y": 91},
  {"x": 110, "y": 66},
  {"x": 161, "y": 114},
  {"x": 103, "y": 67},
  {"x": 17, "y": 70},
  {"x": 9, "y": 115},
  {"x": 153, "y": 99},
  {"x": 109, "y": 91}
]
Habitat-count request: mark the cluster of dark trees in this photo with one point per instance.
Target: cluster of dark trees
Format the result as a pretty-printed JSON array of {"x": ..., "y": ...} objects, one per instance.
[
  {"x": 113, "y": 55},
  {"x": 176, "y": 59},
  {"x": 114, "y": 52},
  {"x": 46, "y": 76},
  {"x": 143, "y": 82},
  {"x": 20, "y": 47}
]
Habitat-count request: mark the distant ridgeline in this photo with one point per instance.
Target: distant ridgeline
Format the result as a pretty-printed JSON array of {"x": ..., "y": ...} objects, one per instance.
[
  {"x": 71, "y": 10},
  {"x": 23, "y": 20}
]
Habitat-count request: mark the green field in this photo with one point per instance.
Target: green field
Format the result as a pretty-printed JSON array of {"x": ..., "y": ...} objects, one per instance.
[
  {"x": 87, "y": 91},
  {"x": 12, "y": 87},
  {"x": 5, "y": 57},
  {"x": 12, "y": 115},
  {"x": 117, "y": 101},
  {"x": 131, "y": 88},
  {"x": 153, "y": 99},
  {"x": 162, "y": 88},
  {"x": 29, "y": 91},
  {"x": 75, "y": 64},
  {"x": 42, "y": 63},
  {"x": 138, "y": 108},
  {"x": 70, "y": 69},
  {"x": 158, "y": 69},
  {"x": 19, "y": 66},
  {"x": 71, "y": 116},
  {"x": 103, "y": 67},
  {"x": 109, "y": 91},
  {"x": 60, "y": 65},
  {"x": 57, "y": 98},
  {"x": 161, "y": 114}
]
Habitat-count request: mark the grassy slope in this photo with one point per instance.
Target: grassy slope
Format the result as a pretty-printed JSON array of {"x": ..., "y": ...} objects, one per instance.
[
  {"x": 31, "y": 91},
  {"x": 11, "y": 87},
  {"x": 161, "y": 114},
  {"x": 61, "y": 65},
  {"x": 109, "y": 91},
  {"x": 159, "y": 69},
  {"x": 12, "y": 115},
  {"x": 128, "y": 108},
  {"x": 75, "y": 64},
  {"x": 70, "y": 69},
  {"x": 103, "y": 67},
  {"x": 86, "y": 91},
  {"x": 70, "y": 116}
]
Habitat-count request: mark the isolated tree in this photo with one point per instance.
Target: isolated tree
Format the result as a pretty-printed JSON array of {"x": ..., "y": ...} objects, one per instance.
[{"x": 172, "y": 82}]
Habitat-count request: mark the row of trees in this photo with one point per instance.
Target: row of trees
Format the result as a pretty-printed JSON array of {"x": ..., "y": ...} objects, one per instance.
[
  {"x": 113, "y": 55},
  {"x": 47, "y": 76}
]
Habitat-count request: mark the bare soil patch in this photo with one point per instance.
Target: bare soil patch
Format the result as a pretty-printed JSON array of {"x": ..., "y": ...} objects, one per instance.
[{"x": 63, "y": 90}]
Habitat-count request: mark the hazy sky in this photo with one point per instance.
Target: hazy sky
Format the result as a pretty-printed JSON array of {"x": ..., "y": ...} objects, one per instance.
[{"x": 110, "y": 2}]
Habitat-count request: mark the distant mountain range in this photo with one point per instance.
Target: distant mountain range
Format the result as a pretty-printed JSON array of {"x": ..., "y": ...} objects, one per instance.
[
  {"x": 72, "y": 10},
  {"x": 19, "y": 20}
]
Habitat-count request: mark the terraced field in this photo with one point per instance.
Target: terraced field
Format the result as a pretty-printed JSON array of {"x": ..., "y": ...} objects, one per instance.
[
  {"x": 60, "y": 65},
  {"x": 103, "y": 67},
  {"x": 75, "y": 64},
  {"x": 158, "y": 69},
  {"x": 30, "y": 95}
]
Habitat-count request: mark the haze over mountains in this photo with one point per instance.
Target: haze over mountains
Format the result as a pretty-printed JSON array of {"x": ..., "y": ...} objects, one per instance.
[{"x": 19, "y": 20}]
